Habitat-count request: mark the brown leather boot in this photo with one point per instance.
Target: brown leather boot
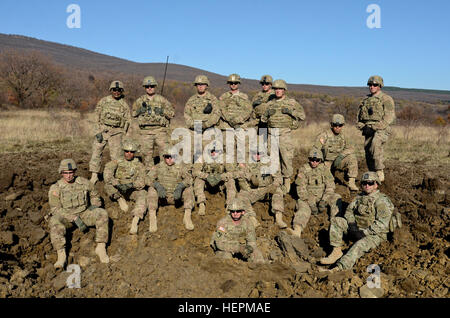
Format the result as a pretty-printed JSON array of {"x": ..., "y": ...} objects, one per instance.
[{"x": 333, "y": 257}]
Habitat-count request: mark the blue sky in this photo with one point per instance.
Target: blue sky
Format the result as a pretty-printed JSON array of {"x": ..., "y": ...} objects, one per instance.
[{"x": 305, "y": 42}]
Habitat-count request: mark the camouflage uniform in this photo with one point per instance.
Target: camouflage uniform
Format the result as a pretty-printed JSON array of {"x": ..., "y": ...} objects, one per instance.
[
  {"x": 259, "y": 103},
  {"x": 376, "y": 114},
  {"x": 153, "y": 126},
  {"x": 285, "y": 123},
  {"x": 68, "y": 200},
  {"x": 118, "y": 172},
  {"x": 230, "y": 239},
  {"x": 315, "y": 190},
  {"x": 113, "y": 118},
  {"x": 169, "y": 177},
  {"x": 337, "y": 152},
  {"x": 372, "y": 214}
]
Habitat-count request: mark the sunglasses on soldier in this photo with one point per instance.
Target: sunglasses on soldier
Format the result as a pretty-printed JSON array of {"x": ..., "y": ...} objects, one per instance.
[
  {"x": 373, "y": 84},
  {"x": 265, "y": 83},
  {"x": 338, "y": 125},
  {"x": 148, "y": 86},
  {"x": 370, "y": 183},
  {"x": 167, "y": 156},
  {"x": 314, "y": 159},
  {"x": 233, "y": 83},
  {"x": 115, "y": 89}
]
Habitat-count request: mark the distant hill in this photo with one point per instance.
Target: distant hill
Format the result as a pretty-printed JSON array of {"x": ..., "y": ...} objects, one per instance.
[{"x": 71, "y": 56}]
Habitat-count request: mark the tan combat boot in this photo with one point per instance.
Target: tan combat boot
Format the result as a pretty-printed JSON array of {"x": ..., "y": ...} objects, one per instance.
[
  {"x": 279, "y": 220},
  {"x": 333, "y": 257},
  {"x": 134, "y": 225},
  {"x": 153, "y": 227},
  {"x": 100, "y": 250},
  {"x": 94, "y": 178},
  {"x": 287, "y": 184},
  {"x": 351, "y": 184},
  {"x": 123, "y": 204},
  {"x": 297, "y": 231},
  {"x": 187, "y": 220},
  {"x": 380, "y": 174},
  {"x": 201, "y": 209},
  {"x": 61, "y": 259}
]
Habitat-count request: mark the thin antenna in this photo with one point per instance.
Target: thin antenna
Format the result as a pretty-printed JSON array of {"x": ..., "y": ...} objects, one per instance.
[{"x": 165, "y": 72}]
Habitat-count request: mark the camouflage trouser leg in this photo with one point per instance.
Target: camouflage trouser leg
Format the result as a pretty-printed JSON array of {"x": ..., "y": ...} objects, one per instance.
[
  {"x": 161, "y": 140},
  {"x": 147, "y": 142},
  {"x": 358, "y": 249},
  {"x": 231, "y": 191},
  {"x": 140, "y": 203},
  {"x": 112, "y": 192},
  {"x": 278, "y": 201},
  {"x": 338, "y": 227},
  {"x": 349, "y": 165},
  {"x": 333, "y": 202},
  {"x": 373, "y": 147},
  {"x": 152, "y": 199},
  {"x": 199, "y": 190},
  {"x": 286, "y": 150},
  {"x": 302, "y": 215},
  {"x": 115, "y": 150},
  {"x": 58, "y": 225},
  {"x": 98, "y": 218},
  {"x": 188, "y": 198}
]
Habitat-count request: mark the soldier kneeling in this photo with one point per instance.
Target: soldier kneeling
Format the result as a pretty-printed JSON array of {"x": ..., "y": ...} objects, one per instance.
[
  {"x": 125, "y": 178},
  {"x": 74, "y": 199},
  {"x": 235, "y": 235}
]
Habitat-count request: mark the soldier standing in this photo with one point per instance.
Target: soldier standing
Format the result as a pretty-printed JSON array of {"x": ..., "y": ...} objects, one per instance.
[
  {"x": 203, "y": 107},
  {"x": 260, "y": 184},
  {"x": 125, "y": 178},
  {"x": 261, "y": 98},
  {"x": 376, "y": 114},
  {"x": 315, "y": 190},
  {"x": 74, "y": 199},
  {"x": 236, "y": 235},
  {"x": 284, "y": 114},
  {"x": 366, "y": 221},
  {"x": 169, "y": 182},
  {"x": 337, "y": 151},
  {"x": 153, "y": 113},
  {"x": 113, "y": 119}
]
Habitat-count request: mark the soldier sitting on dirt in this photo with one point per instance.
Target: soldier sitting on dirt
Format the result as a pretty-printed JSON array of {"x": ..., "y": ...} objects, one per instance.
[
  {"x": 367, "y": 221},
  {"x": 235, "y": 235},
  {"x": 74, "y": 199},
  {"x": 125, "y": 178},
  {"x": 169, "y": 182},
  {"x": 315, "y": 190},
  {"x": 337, "y": 152}
]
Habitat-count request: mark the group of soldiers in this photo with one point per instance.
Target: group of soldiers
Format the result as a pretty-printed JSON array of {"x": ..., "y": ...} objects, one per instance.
[{"x": 132, "y": 174}]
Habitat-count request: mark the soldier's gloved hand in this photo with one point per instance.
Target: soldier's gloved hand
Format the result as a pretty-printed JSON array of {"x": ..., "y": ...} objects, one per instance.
[
  {"x": 314, "y": 208},
  {"x": 178, "y": 190},
  {"x": 286, "y": 110},
  {"x": 337, "y": 162},
  {"x": 270, "y": 112},
  {"x": 207, "y": 109},
  {"x": 322, "y": 206},
  {"x": 160, "y": 189},
  {"x": 121, "y": 187},
  {"x": 80, "y": 224},
  {"x": 354, "y": 232},
  {"x": 93, "y": 207},
  {"x": 367, "y": 131},
  {"x": 159, "y": 111},
  {"x": 99, "y": 138},
  {"x": 246, "y": 250},
  {"x": 257, "y": 103},
  {"x": 214, "y": 179}
]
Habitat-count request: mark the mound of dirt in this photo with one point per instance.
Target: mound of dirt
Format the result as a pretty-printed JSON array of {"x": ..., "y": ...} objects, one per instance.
[{"x": 174, "y": 262}]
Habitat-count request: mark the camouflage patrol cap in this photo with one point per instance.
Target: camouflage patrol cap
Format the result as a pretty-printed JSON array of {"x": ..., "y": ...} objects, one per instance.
[
  {"x": 314, "y": 153},
  {"x": 266, "y": 79},
  {"x": 338, "y": 119},
  {"x": 201, "y": 79},
  {"x": 237, "y": 204},
  {"x": 66, "y": 165},
  {"x": 234, "y": 78},
  {"x": 370, "y": 176},
  {"x": 279, "y": 83},
  {"x": 375, "y": 79},
  {"x": 116, "y": 84},
  {"x": 129, "y": 145},
  {"x": 149, "y": 80}
]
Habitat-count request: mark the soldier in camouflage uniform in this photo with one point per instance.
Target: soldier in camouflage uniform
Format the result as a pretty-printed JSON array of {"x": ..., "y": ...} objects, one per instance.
[
  {"x": 113, "y": 119},
  {"x": 74, "y": 200},
  {"x": 261, "y": 98},
  {"x": 169, "y": 182},
  {"x": 367, "y": 222},
  {"x": 284, "y": 114},
  {"x": 236, "y": 111},
  {"x": 337, "y": 151},
  {"x": 235, "y": 235},
  {"x": 315, "y": 190},
  {"x": 125, "y": 178},
  {"x": 213, "y": 173},
  {"x": 203, "y": 107},
  {"x": 376, "y": 114},
  {"x": 260, "y": 184},
  {"x": 153, "y": 113}
]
